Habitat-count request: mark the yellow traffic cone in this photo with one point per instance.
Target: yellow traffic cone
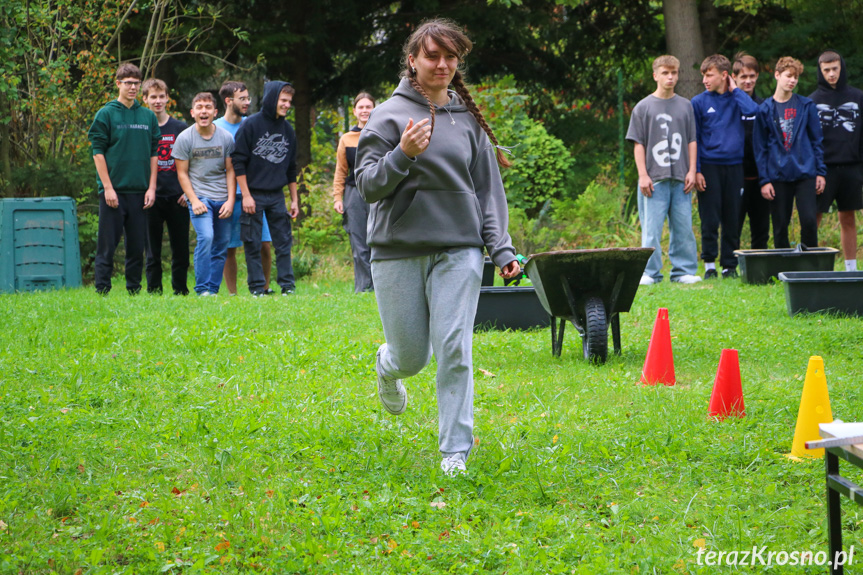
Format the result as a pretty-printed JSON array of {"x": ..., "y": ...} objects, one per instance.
[{"x": 814, "y": 409}]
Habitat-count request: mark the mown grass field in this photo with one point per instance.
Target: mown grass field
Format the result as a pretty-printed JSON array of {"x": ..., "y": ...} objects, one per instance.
[{"x": 236, "y": 435}]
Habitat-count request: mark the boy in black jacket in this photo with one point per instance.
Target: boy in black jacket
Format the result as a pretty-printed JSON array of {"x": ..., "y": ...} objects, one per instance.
[
  {"x": 169, "y": 208},
  {"x": 839, "y": 110},
  {"x": 745, "y": 74},
  {"x": 264, "y": 160}
]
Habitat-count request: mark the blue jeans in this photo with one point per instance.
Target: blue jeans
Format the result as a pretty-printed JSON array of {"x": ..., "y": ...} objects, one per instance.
[
  {"x": 213, "y": 237},
  {"x": 668, "y": 200}
]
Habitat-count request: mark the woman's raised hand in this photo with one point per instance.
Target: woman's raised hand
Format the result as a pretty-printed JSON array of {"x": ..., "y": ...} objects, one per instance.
[{"x": 415, "y": 138}]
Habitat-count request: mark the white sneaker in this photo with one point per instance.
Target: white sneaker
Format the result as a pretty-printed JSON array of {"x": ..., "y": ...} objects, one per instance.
[
  {"x": 646, "y": 281},
  {"x": 454, "y": 465},
  {"x": 391, "y": 391},
  {"x": 688, "y": 279},
  {"x": 206, "y": 294}
]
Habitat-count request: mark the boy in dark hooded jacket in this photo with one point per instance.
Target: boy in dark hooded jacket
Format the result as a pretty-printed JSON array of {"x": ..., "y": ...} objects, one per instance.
[
  {"x": 839, "y": 107},
  {"x": 265, "y": 161}
]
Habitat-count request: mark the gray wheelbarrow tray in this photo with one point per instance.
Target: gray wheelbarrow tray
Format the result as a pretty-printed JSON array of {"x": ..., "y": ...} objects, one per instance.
[{"x": 588, "y": 288}]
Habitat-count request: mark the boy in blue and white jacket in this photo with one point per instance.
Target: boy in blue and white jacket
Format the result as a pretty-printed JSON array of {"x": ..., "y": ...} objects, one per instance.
[
  {"x": 720, "y": 135},
  {"x": 789, "y": 154}
]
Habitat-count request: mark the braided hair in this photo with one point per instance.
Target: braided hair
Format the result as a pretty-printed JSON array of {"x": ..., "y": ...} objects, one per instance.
[{"x": 448, "y": 35}]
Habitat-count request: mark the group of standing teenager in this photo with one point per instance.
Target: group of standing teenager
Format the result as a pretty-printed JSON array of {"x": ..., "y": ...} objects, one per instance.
[
  {"x": 221, "y": 175},
  {"x": 418, "y": 184},
  {"x": 745, "y": 157}
]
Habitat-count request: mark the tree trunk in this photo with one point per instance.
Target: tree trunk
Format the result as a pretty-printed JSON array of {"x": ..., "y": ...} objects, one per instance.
[
  {"x": 302, "y": 104},
  {"x": 5, "y": 145},
  {"x": 709, "y": 17},
  {"x": 683, "y": 39}
]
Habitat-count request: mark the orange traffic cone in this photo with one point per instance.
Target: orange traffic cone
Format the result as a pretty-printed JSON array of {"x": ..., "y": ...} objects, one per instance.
[
  {"x": 727, "y": 396},
  {"x": 659, "y": 362}
]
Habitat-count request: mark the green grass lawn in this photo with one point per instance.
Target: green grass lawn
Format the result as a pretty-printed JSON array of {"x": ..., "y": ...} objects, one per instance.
[{"x": 236, "y": 435}]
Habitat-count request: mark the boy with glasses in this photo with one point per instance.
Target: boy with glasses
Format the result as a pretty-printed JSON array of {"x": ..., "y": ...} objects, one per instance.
[{"x": 124, "y": 138}]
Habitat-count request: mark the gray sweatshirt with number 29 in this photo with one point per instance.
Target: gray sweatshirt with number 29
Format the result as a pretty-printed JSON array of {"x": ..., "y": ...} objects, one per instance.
[{"x": 449, "y": 196}]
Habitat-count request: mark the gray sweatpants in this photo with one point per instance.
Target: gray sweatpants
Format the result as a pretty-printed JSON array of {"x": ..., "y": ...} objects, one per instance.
[
  {"x": 428, "y": 304},
  {"x": 355, "y": 220}
]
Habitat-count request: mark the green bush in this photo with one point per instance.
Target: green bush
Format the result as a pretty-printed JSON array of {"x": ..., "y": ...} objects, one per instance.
[
  {"x": 320, "y": 228},
  {"x": 596, "y": 218},
  {"x": 592, "y": 140},
  {"x": 541, "y": 165},
  {"x": 304, "y": 264}
]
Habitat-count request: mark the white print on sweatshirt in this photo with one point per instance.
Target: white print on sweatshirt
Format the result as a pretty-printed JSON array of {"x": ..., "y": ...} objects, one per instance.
[
  {"x": 845, "y": 115},
  {"x": 660, "y": 151},
  {"x": 271, "y": 147}
]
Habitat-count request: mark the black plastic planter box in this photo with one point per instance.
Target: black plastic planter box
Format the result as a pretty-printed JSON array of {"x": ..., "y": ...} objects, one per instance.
[
  {"x": 823, "y": 291},
  {"x": 509, "y": 308},
  {"x": 758, "y": 266},
  {"x": 487, "y": 272}
]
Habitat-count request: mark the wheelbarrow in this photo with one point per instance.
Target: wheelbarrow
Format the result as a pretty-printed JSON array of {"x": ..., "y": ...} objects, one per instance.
[{"x": 588, "y": 288}]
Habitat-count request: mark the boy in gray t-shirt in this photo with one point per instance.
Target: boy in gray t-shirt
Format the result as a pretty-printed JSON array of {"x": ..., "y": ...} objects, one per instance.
[
  {"x": 662, "y": 128},
  {"x": 202, "y": 154}
]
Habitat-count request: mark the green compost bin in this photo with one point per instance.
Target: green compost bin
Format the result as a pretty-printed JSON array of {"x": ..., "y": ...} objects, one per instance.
[{"x": 39, "y": 244}]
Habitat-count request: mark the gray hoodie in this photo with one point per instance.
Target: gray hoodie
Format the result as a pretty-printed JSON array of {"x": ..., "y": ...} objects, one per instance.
[{"x": 449, "y": 196}]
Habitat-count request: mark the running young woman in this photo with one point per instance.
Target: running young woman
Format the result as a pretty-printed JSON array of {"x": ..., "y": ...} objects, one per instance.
[
  {"x": 346, "y": 198},
  {"x": 427, "y": 161}
]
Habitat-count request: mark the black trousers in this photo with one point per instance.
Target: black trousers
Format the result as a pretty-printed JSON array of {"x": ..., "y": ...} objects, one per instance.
[
  {"x": 758, "y": 209},
  {"x": 166, "y": 211},
  {"x": 271, "y": 203},
  {"x": 128, "y": 220},
  {"x": 719, "y": 205},
  {"x": 782, "y": 206}
]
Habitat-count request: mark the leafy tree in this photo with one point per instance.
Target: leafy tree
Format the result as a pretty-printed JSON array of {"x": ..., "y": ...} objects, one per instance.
[{"x": 58, "y": 65}]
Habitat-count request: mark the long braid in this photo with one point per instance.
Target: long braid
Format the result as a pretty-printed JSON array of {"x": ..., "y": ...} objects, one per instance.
[
  {"x": 461, "y": 90},
  {"x": 418, "y": 88}
]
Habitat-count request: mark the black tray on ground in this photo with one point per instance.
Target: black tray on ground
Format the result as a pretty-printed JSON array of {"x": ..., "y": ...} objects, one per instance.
[
  {"x": 823, "y": 291},
  {"x": 758, "y": 266},
  {"x": 509, "y": 308}
]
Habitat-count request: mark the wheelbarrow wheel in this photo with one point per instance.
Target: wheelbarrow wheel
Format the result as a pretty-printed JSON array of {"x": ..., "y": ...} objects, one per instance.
[{"x": 595, "y": 338}]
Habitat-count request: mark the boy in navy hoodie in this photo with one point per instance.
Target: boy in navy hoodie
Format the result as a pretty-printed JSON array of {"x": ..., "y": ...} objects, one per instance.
[
  {"x": 839, "y": 107},
  {"x": 788, "y": 151},
  {"x": 125, "y": 141},
  {"x": 264, "y": 159},
  {"x": 719, "y": 181}
]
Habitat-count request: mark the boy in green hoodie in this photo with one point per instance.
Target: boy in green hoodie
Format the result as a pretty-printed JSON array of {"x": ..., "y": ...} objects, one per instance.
[{"x": 125, "y": 141}]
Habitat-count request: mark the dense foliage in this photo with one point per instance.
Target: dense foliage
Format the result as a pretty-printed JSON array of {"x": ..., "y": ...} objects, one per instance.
[{"x": 547, "y": 71}]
